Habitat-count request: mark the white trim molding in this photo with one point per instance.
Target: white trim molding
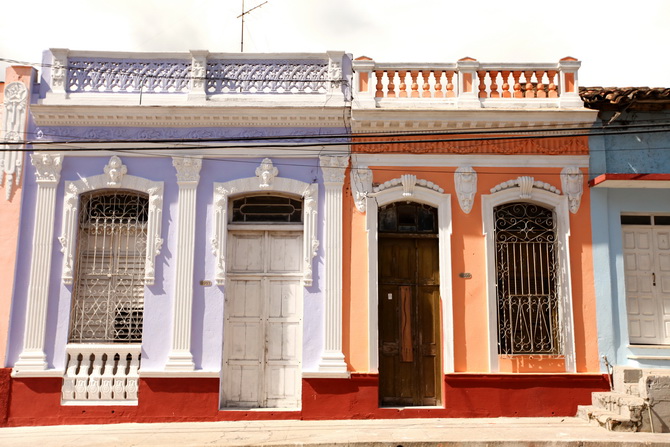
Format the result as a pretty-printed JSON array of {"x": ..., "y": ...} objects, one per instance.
[
  {"x": 430, "y": 194},
  {"x": 572, "y": 181},
  {"x": 526, "y": 189},
  {"x": 13, "y": 128},
  {"x": 33, "y": 357},
  {"x": 114, "y": 177},
  {"x": 332, "y": 359},
  {"x": 180, "y": 357},
  {"x": 222, "y": 191}
]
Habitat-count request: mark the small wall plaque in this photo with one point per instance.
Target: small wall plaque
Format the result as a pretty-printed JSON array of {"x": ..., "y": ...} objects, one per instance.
[
  {"x": 465, "y": 275},
  {"x": 205, "y": 283}
]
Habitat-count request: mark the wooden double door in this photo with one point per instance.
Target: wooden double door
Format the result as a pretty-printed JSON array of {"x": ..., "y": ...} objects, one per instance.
[{"x": 409, "y": 320}]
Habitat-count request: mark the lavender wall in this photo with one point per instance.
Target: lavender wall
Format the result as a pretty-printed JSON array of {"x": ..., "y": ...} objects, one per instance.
[{"x": 208, "y": 302}]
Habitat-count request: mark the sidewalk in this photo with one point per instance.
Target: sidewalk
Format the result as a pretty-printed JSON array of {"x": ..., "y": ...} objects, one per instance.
[{"x": 500, "y": 432}]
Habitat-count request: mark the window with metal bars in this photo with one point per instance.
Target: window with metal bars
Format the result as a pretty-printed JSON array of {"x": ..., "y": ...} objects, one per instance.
[
  {"x": 526, "y": 273},
  {"x": 266, "y": 208},
  {"x": 108, "y": 294}
]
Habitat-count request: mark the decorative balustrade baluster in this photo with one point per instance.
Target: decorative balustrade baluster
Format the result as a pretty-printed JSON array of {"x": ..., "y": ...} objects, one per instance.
[
  {"x": 120, "y": 376},
  {"x": 494, "y": 86},
  {"x": 450, "y": 84},
  {"x": 391, "y": 86},
  {"x": 551, "y": 75},
  {"x": 425, "y": 74},
  {"x": 70, "y": 377},
  {"x": 380, "y": 86},
  {"x": 403, "y": 86},
  {"x": 107, "y": 379},
  {"x": 415, "y": 86},
  {"x": 93, "y": 387},
  {"x": 133, "y": 377},
  {"x": 505, "y": 77},
  {"x": 517, "y": 86},
  {"x": 482, "y": 83},
  {"x": 438, "y": 83},
  {"x": 81, "y": 382},
  {"x": 539, "y": 89},
  {"x": 530, "y": 91}
]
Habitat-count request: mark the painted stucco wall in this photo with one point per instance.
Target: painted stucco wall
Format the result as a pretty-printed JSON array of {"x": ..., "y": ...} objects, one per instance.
[
  {"x": 208, "y": 302},
  {"x": 9, "y": 230},
  {"x": 644, "y": 151},
  {"x": 468, "y": 254},
  {"x": 607, "y": 206}
]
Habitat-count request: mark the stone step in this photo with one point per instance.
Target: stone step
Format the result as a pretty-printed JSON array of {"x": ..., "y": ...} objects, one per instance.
[
  {"x": 606, "y": 419},
  {"x": 623, "y": 404}
]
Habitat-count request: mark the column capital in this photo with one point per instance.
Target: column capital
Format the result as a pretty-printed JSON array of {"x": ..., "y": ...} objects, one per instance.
[
  {"x": 48, "y": 167},
  {"x": 188, "y": 170},
  {"x": 333, "y": 168}
]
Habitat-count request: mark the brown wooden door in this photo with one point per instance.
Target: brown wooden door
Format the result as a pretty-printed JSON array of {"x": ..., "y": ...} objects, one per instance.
[{"x": 409, "y": 320}]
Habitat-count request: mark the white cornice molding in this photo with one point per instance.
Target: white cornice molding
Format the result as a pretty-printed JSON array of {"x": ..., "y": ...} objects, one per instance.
[
  {"x": 223, "y": 191},
  {"x": 114, "y": 177},
  {"x": 384, "y": 120},
  {"x": 214, "y": 114}
]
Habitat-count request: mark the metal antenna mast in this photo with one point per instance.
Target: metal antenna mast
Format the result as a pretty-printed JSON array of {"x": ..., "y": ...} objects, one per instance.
[{"x": 242, "y": 15}]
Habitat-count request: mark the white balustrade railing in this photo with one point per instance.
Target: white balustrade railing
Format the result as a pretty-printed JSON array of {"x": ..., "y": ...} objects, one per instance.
[
  {"x": 468, "y": 83},
  {"x": 103, "y": 374},
  {"x": 197, "y": 73}
]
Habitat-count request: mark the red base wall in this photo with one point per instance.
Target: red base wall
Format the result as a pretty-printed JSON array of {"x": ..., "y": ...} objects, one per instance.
[{"x": 36, "y": 401}]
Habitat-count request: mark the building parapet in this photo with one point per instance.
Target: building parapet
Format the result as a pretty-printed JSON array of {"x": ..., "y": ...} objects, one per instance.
[
  {"x": 196, "y": 76},
  {"x": 467, "y": 84}
]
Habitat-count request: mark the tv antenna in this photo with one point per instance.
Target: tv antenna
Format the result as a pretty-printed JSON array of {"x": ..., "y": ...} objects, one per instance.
[{"x": 242, "y": 15}]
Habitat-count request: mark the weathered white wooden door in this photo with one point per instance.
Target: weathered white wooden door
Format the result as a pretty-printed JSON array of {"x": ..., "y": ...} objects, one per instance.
[
  {"x": 263, "y": 320},
  {"x": 647, "y": 270}
]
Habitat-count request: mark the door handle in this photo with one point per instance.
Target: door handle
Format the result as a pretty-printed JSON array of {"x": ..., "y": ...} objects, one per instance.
[{"x": 653, "y": 279}]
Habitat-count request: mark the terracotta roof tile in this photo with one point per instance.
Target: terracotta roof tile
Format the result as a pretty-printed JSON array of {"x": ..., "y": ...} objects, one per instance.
[{"x": 626, "y": 98}]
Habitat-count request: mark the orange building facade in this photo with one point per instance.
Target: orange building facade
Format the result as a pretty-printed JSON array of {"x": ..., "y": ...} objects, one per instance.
[{"x": 468, "y": 270}]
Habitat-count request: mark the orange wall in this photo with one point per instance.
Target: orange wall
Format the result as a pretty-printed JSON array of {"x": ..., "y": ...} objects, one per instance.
[
  {"x": 468, "y": 254},
  {"x": 9, "y": 230}
]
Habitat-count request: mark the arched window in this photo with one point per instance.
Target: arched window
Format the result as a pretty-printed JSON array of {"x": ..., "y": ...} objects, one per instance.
[
  {"x": 108, "y": 295},
  {"x": 526, "y": 279}
]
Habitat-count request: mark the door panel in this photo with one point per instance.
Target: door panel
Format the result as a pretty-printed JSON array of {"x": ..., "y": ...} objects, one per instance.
[
  {"x": 647, "y": 276},
  {"x": 409, "y": 324},
  {"x": 263, "y": 325}
]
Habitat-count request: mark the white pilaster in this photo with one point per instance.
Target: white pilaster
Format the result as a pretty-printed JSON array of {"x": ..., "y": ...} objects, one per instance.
[
  {"x": 332, "y": 360},
  {"x": 188, "y": 176},
  {"x": 33, "y": 357}
]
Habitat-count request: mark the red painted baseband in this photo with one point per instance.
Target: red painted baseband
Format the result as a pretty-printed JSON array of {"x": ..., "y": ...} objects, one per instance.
[{"x": 36, "y": 401}]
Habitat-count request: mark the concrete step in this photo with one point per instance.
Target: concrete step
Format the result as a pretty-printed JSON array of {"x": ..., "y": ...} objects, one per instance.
[
  {"x": 607, "y": 419},
  {"x": 622, "y": 404}
]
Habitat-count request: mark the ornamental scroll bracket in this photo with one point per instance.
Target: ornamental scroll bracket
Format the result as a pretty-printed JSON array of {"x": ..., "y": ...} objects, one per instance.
[
  {"x": 13, "y": 123},
  {"x": 223, "y": 191},
  {"x": 465, "y": 180},
  {"x": 361, "y": 186},
  {"x": 572, "y": 181},
  {"x": 114, "y": 176},
  {"x": 526, "y": 184}
]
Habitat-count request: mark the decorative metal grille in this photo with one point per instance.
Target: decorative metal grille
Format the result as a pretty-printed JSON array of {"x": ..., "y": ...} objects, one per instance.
[
  {"x": 108, "y": 296},
  {"x": 287, "y": 76},
  {"x": 527, "y": 286},
  {"x": 267, "y": 209}
]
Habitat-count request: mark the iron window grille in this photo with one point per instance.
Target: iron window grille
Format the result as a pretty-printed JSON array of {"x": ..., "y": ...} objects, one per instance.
[
  {"x": 108, "y": 294},
  {"x": 266, "y": 208},
  {"x": 527, "y": 285}
]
